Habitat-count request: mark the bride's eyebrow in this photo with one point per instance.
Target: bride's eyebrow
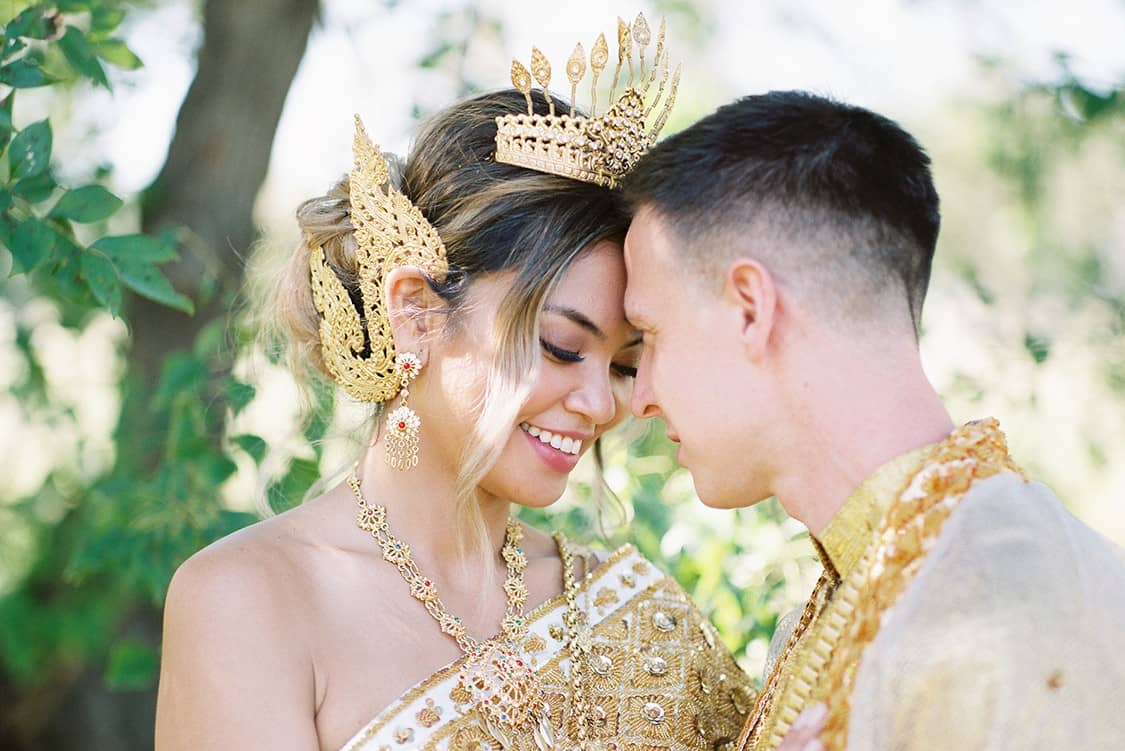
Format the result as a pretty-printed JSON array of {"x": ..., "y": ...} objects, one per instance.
[{"x": 577, "y": 317}]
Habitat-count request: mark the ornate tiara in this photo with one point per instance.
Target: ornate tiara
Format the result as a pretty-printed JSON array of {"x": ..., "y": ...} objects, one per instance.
[
  {"x": 389, "y": 232},
  {"x": 599, "y": 150}
]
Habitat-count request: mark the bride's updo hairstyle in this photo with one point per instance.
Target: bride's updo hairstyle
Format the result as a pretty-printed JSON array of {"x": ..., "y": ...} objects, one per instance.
[{"x": 492, "y": 217}]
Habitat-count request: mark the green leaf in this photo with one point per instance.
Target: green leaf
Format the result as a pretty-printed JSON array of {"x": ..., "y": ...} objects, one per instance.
[
  {"x": 179, "y": 373},
  {"x": 90, "y": 203},
  {"x": 6, "y": 126},
  {"x": 1039, "y": 347},
  {"x": 83, "y": 55},
  {"x": 239, "y": 394},
  {"x": 24, "y": 73},
  {"x": 32, "y": 242},
  {"x": 30, "y": 152},
  {"x": 37, "y": 188},
  {"x": 104, "y": 19},
  {"x": 291, "y": 489},
  {"x": 32, "y": 23},
  {"x": 114, "y": 52},
  {"x": 103, "y": 280},
  {"x": 146, "y": 280},
  {"x": 74, "y": 6},
  {"x": 253, "y": 445},
  {"x": 5, "y": 199},
  {"x": 137, "y": 248},
  {"x": 131, "y": 666}
]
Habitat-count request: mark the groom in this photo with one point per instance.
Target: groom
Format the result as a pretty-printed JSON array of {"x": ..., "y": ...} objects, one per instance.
[{"x": 778, "y": 261}]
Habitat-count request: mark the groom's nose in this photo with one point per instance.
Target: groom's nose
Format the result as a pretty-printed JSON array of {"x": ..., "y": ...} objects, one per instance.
[{"x": 643, "y": 403}]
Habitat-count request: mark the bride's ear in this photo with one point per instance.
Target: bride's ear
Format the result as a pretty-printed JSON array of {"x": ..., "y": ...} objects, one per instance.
[
  {"x": 412, "y": 307},
  {"x": 751, "y": 290}
]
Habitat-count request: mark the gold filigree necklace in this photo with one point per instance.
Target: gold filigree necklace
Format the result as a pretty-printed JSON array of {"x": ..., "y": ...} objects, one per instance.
[{"x": 505, "y": 689}]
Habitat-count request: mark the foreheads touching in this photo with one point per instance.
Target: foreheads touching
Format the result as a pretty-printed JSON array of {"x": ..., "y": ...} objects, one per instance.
[{"x": 835, "y": 201}]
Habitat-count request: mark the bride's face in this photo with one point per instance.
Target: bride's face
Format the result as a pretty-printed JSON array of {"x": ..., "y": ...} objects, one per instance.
[{"x": 583, "y": 386}]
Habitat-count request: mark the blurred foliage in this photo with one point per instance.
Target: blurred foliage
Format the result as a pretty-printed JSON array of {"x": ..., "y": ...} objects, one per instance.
[{"x": 96, "y": 532}]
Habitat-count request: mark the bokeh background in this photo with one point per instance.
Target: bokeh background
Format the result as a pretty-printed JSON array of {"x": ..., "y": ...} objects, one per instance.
[{"x": 132, "y": 433}]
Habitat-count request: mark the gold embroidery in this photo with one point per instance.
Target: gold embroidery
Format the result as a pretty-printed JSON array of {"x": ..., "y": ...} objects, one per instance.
[
  {"x": 975, "y": 452},
  {"x": 555, "y": 632},
  {"x": 605, "y": 596},
  {"x": 473, "y": 738},
  {"x": 460, "y": 695},
  {"x": 843, "y": 616},
  {"x": 429, "y": 715},
  {"x": 628, "y": 641},
  {"x": 628, "y": 580},
  {"x": 535, "y": 644},
  {"x": 641, "y": 568}
]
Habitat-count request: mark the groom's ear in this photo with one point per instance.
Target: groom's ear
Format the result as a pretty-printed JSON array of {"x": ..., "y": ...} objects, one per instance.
[{"x": 750, "y": 288}]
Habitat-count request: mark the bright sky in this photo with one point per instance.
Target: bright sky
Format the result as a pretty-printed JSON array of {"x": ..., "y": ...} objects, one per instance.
[{"x": 901, "y": 58}]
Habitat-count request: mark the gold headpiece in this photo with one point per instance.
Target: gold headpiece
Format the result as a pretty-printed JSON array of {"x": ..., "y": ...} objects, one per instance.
[
  {"x": 389, "y": 232},
  {"x": 599, "y": 150}
]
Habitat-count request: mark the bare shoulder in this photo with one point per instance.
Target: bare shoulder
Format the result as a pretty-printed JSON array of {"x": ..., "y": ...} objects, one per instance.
[
  {"x": 250, "y": 572},
  {"x": 234, "y": 644}
]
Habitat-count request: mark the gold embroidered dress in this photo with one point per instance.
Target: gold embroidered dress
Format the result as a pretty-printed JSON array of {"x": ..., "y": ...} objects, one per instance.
[
  {"x": 656, "y": 675},
  {"x": 961, "y": 608}
]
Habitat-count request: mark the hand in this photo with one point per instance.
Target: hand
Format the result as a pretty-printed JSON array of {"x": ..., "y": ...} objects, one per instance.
[{"x": 805, "y": 733}]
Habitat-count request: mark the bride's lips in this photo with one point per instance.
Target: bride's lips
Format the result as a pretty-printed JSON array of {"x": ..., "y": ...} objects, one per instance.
[{"x": 559, "y": 450}]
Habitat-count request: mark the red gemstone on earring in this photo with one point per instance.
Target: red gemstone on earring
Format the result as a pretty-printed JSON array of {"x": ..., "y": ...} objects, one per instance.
[
  {"x": 401, "y": 425},
  {"x": 406, "y": 366}
]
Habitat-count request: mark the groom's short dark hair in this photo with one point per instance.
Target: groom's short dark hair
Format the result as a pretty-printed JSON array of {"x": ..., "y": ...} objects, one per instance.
[{"x": 852, "y": 184}]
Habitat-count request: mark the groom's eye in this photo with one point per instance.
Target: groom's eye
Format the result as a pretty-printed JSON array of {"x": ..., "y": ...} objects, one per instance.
[
  {"x": 560, "y": 354},
  {"x": 625, "y": 371}
]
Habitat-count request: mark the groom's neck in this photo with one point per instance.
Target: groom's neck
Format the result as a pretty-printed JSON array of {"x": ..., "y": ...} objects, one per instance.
[{"x": 862, "y": 413}]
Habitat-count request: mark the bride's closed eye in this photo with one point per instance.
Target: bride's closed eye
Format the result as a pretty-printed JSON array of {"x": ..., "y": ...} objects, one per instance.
[{"x": 567, "y": 356}]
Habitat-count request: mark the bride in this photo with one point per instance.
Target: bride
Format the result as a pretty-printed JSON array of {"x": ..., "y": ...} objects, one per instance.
[{"x": 477, "y": 302}]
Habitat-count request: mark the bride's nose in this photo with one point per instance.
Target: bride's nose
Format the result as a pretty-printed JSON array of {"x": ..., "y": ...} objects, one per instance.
[{"x": 592, "y": 396}]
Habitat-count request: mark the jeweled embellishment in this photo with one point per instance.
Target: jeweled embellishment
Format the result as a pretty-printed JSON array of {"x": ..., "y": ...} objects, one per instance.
[
  {"x": 653, "y": 712},
  {"x": 663, "y": 622},
  {"x": 656, "y": 666},
  {"x": 601, "y": 664},
  {"x": 507, "y": 693},
  {"x": 404, "y": 736}
]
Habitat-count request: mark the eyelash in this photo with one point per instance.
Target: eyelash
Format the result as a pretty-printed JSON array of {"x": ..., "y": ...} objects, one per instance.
[{"x": 566, "y": 355}]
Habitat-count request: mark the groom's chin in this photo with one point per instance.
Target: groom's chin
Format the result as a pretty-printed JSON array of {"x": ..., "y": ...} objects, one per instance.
[{"x": 720, "y": 496}]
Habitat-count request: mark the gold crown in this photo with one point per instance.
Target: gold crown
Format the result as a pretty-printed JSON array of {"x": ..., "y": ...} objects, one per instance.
[
  {"x": 599, "y": 150},
  {"x": 389, "y": 232}
]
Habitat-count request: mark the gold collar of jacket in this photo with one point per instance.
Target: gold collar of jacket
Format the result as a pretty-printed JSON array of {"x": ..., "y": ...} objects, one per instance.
[
  {"x": 389, "y": 232},
  {"x": 594, "y": 149}
]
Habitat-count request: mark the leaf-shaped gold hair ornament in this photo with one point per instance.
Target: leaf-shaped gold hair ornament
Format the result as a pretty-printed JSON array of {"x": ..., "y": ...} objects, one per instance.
[
  {"x": 642, "y": 36},
  {"x": 575, "y": 70},
  {"x": 541, "y": 69},
  {"x": 656, "y": 61},
  {"x": 389, "y": 232},
  {"x": 521, "y": 79},
  {"x": 624, "y": 50},
  {"x": 599, "y": 58}
]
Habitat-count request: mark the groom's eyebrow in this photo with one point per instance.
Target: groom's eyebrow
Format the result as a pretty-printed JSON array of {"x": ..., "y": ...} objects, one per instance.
[{"x": 577, "y": 317}]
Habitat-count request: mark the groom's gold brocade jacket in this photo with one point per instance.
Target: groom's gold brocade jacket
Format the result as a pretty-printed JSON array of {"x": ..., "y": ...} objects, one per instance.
[{"x": 961, "y": 608}]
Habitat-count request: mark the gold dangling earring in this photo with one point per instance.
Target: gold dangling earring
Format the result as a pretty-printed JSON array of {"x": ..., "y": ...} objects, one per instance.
[{"x": 403, "y": 424}]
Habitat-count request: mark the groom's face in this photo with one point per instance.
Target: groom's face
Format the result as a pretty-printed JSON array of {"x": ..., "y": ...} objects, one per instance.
[{"x": 692, "y": 372}]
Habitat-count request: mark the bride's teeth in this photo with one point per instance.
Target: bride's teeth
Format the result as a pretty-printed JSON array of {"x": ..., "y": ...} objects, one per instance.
[
  {"x": 556, "y": 441},
  {"x": 567, "y": 445},
  {"x": 533, "y": 430},
  {"x": 545, "y": 436},
  {"x": 576, "y": 447}
]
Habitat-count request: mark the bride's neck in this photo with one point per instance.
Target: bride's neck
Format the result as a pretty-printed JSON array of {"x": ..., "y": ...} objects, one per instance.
[{"x": 422, "y": 511}]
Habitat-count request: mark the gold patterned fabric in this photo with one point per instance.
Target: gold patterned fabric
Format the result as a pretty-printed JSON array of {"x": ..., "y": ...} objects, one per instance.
[
  {"x": 656, "y": 676},
  {"x": 979, "y": 615}
]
